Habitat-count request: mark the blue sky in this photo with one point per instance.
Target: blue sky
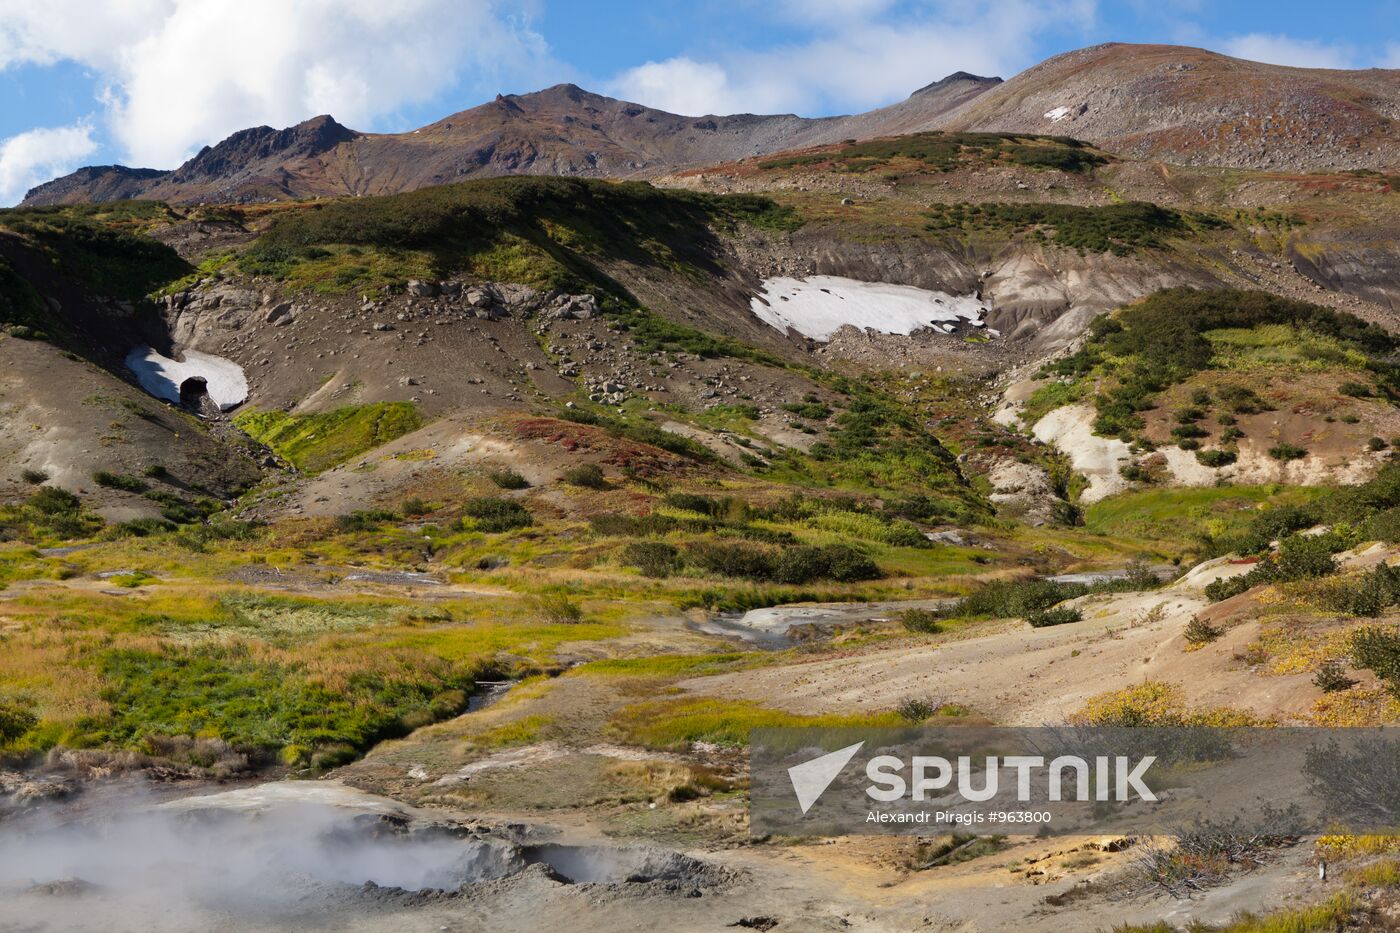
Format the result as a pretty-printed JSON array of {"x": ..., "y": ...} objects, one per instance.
[{"x": 147, "y": 82}]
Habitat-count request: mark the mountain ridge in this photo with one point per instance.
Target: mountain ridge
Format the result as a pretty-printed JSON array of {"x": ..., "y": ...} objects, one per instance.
[
  {"x": 559, "y": 130},
  {"x": 1174, "y": 104}
]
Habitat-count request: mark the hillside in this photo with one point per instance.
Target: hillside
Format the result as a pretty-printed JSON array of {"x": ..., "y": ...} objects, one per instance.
[
  {"x": 825, "y": 438},
  {"x": 1194, "y": 107},
  {"x": 563, "y": 130}
]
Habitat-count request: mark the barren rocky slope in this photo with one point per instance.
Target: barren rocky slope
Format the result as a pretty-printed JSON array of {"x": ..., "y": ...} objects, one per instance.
[{"x": 1197, "y": 107}]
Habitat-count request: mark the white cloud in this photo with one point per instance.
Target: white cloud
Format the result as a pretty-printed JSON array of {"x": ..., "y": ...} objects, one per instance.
[
  {"x": 37, "y": 155},
  {"x": 183, "y": 73},
  {"x": 855, "y": 64},
  {"x": 1278, "y": 49},
  {"x": 1391, "y": 58}
]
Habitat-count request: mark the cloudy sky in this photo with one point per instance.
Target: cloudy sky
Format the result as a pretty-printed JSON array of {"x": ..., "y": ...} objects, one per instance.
[{"x": 148, "y": 82}]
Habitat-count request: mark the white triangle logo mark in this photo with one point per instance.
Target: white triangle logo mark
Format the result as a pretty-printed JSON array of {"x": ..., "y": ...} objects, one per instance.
[{"x": 811, "y": 778}]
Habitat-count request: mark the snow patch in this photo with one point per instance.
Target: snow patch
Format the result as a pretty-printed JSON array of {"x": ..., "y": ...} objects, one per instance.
[
  {"x": 161, "y": 376},
  {"x": 1058, "y": 114},
  {"x": 818, "y": 306}
]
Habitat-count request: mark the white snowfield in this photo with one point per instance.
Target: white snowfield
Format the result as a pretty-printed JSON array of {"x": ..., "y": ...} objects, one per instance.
[
  {"x": 818, "y": 306},
  {"x": 161, "y": 376},
  {"x": 1056, "y": 115}
]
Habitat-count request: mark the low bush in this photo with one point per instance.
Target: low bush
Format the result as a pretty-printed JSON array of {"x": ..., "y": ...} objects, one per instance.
[
  {"x": 840, "y": 562},
  {"x": 34, "y": 477},
  {"x": 1199, "y": 632},
  {"x": 732, "y": 558},
  {"x": 1331, "y": 677},
  {"x": 916, "y": 709},
  {"x": 1060, "y": 615},
  {"x": 15, "y": 720},
  {"x": 587, "y": 476},
  {"x": 1378, "y": 650},
  {"x": 118, "y": 481},
  {"x": 508, "y": 479},
  {"x": 415, "y": 508},
  {"x": 652, "y": 558},
  {"x": 1285, "y": 452},
  {"x": 493, "y": 515},
  {"x": 557, "y": 609},
  {"x": 1300, "y": 557},
  {"x": 1009, "y": 599},
  {"x": 1215, "y": 458},
  {"x": 363, "y": 520},
  {"x": 923, "y": 621}
]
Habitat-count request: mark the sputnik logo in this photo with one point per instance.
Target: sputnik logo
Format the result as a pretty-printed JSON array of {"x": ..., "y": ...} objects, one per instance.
[{"x": 811, "y": 778}]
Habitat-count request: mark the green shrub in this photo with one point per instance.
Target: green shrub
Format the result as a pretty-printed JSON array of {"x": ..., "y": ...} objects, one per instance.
[
  {"x": 1228, "y": 587},
  {"x": 1300, "y": 557},
  {"x": 363, "y": 520},
  {"x": 731, "y": 558},
  {"x": 493, "y": 515},
  {"x": 1200, "y": 632},
  {"x": 51, "y": 500},
  {"x": 155, "y": 471},
  {"x": 1121, "y": 229},
  {"x": 1287, "y": 451},
  {"x": 615, "y": 523},
  {"x": 652, "y": 558},
  {"x": 916, "y": 709},
  {"x": 1060, "y": 615},
  {"x": 142, "y": 527},
  {"x": 1331, "y": 677},
  {"x": 1161, "y": 341},
  {"x": 586, "y": 475},
  {"x": 34, "y": 477},
  {"x": 1378, "y": 650},
  {"x": 1377, "y": 443},
  {"x": 923, "y": 621},
  {"x": 557, "y": 609},
  {"x": 1355, "y": 389},
  {"x": 840, "y": 562},
  {"x": 1376, "y": 592},
  {"x": 117, "y": 481},
  {"x": 1215, "y": 458},
  {"x": 1009, "y": 599},
  {"x": 508, "y": 479},
  {"x": 15, "y": 721},
  {"x": 415, "y": 508}
]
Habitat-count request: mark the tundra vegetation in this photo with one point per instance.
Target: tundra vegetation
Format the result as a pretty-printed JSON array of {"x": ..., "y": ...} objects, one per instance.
[{"x": 255, "y": 632}]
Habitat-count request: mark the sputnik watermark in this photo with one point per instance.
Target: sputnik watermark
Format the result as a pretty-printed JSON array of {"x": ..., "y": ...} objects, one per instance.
[
  {"x": 1067, "y": 779},
  {"x": 1113, "y": 778}
]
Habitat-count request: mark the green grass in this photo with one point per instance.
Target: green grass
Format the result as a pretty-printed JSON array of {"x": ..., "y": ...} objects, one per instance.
[
  {"x": 313, "y": 443},
  {"x": 227, "y": 692},
  {"x": 1175, "y": 333},
  {"x": 102, "y": 248},
  {"x": 1180, "y": 519},
  {"x": 1121, "y": 229},
  {"x": 551, "y": 233},
  {"x": 1051, "y": 396},
  {"x": 944, "y": 152},
  {"x": 676, "y": 724}
]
